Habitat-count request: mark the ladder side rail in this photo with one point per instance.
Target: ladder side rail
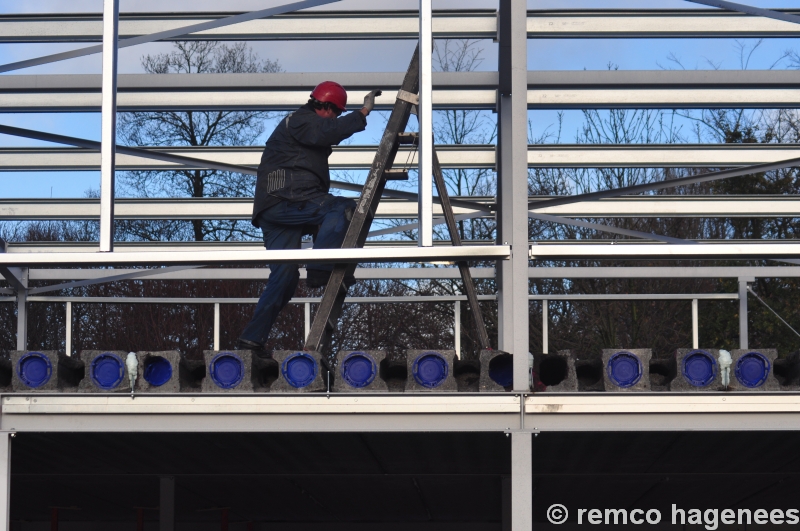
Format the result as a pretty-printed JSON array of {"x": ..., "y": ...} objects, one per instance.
[
  {"x": 463, "y": 267},
  {"x": 330, "y": 308}
]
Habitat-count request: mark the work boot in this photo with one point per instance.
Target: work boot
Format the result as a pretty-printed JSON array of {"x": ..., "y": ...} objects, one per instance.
[{"x": 246, "y": 344}]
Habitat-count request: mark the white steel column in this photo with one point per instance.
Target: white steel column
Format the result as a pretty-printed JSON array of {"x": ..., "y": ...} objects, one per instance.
[
  {"x": 68, "y": 326},
  {"x": 545, "y": 326},
  {"x": 425, "y": 117},
  {"x": 109, "y": 123},
  {"x": 216, "y": 326},
  {"x": 522, "y": 481},
  {"x": 307, "y": 318},
  {"x": 513, "y": 186},
  {"x": 457, "y": 327},
  {"x": 5, "y": 480},
  {"x": 22, "y": 319},
  {"x": 695, "y": 325},
  {"x": 743, "y": 329},
  {"x": 166, "y": 512}
]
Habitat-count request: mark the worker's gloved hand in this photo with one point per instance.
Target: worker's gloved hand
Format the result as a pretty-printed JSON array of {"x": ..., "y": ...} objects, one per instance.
[{"x": 369, "y": 100}]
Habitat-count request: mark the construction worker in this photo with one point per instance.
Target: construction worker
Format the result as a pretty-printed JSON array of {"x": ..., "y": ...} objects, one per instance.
[{"x": 292, "y": 198}]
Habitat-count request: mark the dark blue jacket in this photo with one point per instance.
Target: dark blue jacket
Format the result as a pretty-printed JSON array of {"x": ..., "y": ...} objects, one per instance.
[{"x": 294, "y": 165}]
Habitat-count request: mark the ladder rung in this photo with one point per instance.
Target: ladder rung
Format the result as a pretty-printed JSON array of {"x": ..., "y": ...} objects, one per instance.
[
  {"x": 405, "y": 139},
  {"x": 395, "y": 175}
]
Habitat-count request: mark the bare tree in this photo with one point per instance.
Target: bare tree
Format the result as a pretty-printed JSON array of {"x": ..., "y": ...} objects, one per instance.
[{"x": 195, "y": 129}]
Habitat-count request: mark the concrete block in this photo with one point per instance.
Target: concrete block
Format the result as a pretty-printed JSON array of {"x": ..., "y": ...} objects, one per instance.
[
  {"x": 6, "y": 372},
  {"x": 627, "y": 370},
  {"x": 395, "y": 374},
  {"x": 787, "y": 371},
  {"x": 589, "y": 372},
  {"x": 105, "y": 372},
  {"x": 496, "y": 371},
  {"x": 430, "y": 370},
  {"x": 228, "y": 371},
  {"x": 556, "y": 372},
  {"x": 697, "y": 370},
  {"x": 159, "y": 372},
  {"x": 300, "y": 372},
  {"x": 191, "y": 374},
  {"x": 467, "y": 373},
  {"x": 752, "y": 370},
  {"x": 360, "y": 371},
  {"x": 662, "y": 372},
  {"x": 44, "y": 371}
]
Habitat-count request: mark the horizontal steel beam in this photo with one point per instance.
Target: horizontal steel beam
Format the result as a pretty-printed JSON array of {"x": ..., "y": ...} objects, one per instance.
[
  {"x": 206, "y": 246},
  {"x": 663, "y": 272},
  {"x": 403, "y": 273},
  {"x": 467, "y": 90},
  {"x": 477, "y": 24},
  {"x": 343, "y": 157},
  {"x": 389, "y": 413},
  {"x": 239, "y": 273},
  {"x": 316, "y": 25},
  {"x": 124, "y": 256},
  {"x": 451, "y": 156},
  {"x": 392, "y": 300},
  {"x": 306, "y": 81},
  {"x": 646, "y": 251},
  {"x": 241, "y": 208}
]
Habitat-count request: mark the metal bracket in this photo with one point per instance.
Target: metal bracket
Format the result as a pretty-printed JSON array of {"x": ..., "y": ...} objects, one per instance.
[{"x": 408, "y": 97}]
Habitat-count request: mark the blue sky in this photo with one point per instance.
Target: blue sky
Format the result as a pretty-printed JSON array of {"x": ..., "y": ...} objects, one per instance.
[{"x": 353, "y": 56}]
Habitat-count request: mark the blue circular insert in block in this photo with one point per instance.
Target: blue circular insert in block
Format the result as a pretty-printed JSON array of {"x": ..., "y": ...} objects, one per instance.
[
  {"x": 624, "y": 369},
  {"x": 359, "y": 369},
  {"x": 430, "y": 369},
  {"x": 34, "y": 369},
  {"x": 501, "y": 370},
  {"x": 299, "y": 369},
  {"x": 752, "y": 369},
  {"x": 699, "y": 368},
  {"x": 157, "y": 371},
  {"x": 226, "y": 370},
  {"x": 107, "y": 370}
]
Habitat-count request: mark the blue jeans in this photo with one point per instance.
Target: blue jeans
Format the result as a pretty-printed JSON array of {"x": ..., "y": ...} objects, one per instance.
[{"x": 283, "y": 226}]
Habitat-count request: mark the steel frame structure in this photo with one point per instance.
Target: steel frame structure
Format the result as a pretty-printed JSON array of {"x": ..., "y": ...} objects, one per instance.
[{"x": 510, "y": 92}]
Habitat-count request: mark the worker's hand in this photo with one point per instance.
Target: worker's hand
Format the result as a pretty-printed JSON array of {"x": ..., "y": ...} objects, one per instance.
[{"x": 369, "y": 101}]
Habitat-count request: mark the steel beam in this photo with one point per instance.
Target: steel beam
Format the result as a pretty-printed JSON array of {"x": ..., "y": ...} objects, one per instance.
[
  {"x": 215, "y": 100},
  {"x": 5, "y": 480},
  {"x": 463, "y": 24},
  {"x": 401, "y": 273},
  {"x": 452, "y": 90},
  {"x": 512, "y": 212},
  {"x": 22, "y": 319},
  {"x": 172, "y": 33},
  {"x": 393, "y": 300},
  {"x": 425, "y": 119},
  {"x": 521, "y": 481},
  {"x": 451, "y": 157},
  {"x": 473, "y": 24},
  {"x": 357, "y": 255},
  {"x": 631, "y": 98},
  {"x": 108, "y": 133},
  {"x": 343, "y": 158},
  {"x": 302, "y": 82},
  {"x": 361, "y": 273},
  {"x": 209, "y": 246},
  {"x": 750, "y": 10},
  {"x": 743, "y": 316},
  {"x": 624, "y": 251}
]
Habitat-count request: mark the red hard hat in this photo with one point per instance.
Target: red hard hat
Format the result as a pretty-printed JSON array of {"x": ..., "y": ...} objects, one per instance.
[{"x": 331, "y": 92}]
